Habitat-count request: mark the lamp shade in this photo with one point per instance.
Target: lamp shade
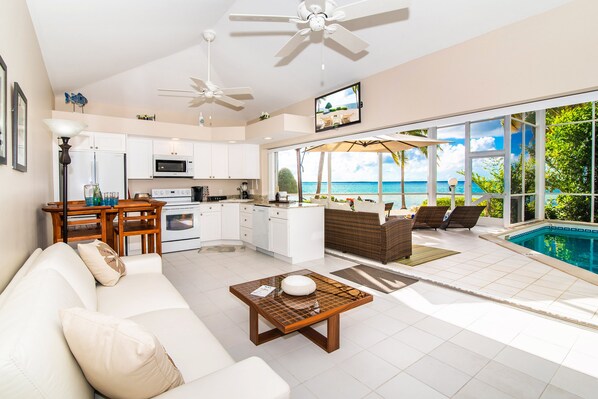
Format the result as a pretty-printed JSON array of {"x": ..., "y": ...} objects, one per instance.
[{"x": 65, "y": 127}]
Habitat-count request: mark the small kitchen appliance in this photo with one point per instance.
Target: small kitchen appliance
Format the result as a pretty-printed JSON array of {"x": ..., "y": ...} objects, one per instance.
[
  {"x": 244, "y": 190},
  {"x": 199, "y": 193}
]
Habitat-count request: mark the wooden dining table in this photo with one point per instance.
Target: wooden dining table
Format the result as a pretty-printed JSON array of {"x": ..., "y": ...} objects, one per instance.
[{"x": 100, "y": 221}]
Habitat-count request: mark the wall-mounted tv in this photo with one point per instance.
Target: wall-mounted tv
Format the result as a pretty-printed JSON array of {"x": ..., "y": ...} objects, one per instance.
[{"x": 339, "y": 108}]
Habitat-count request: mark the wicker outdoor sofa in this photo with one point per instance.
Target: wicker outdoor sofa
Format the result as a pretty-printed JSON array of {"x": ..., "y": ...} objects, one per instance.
[{"x": 361, "y": 233}]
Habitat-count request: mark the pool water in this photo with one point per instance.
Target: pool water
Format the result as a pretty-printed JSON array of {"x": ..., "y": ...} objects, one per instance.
[{"x": 578, "y": 247}]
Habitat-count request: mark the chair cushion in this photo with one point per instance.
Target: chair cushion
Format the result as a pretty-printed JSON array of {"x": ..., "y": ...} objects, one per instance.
[
  {"x": 35, "y": 360},
  {"x": 371, "y": 207},
  {"x": 119, "y": 358},
  {"x": 341, "y": 206},
  {"x": 137, "y": 294},
  {"x": 103, "y": 262},
  {"x": 64, "y": 259},
  {"x": 193, "y": 348}
]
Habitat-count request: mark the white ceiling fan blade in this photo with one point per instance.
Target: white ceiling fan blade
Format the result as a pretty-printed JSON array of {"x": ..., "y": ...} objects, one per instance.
[
  {"x": 196, "y": 102},
  {"x": 176, "y": 95},
  {"x": 175, "y": 91},
  {"x": 236, "y": 91},
  {"x": 346, "y": 38},
  {"x": 260, "y": 18},
  {"x": 365, "y": 8},
  {"x": 292, "y": 44},
  {"x": 231, "y": 101},
  {"x": 201, "y": 85}
]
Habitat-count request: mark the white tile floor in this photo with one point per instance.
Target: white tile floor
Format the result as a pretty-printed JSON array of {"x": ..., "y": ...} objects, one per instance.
[{"x": 423, "y": 341}]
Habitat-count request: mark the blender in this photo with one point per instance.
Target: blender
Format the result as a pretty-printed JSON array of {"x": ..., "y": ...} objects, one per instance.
[{"x": 244, "y": 190}]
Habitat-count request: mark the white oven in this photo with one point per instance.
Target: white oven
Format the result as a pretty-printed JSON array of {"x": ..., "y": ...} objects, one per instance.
[{"x": 180, "y": 220}]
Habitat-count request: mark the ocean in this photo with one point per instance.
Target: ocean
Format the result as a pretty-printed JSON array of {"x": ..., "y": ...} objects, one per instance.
[{"x": 416, "y": 190}]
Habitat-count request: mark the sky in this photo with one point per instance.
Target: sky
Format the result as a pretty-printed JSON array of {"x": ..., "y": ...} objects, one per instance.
[{"x": 355, "y": 166}]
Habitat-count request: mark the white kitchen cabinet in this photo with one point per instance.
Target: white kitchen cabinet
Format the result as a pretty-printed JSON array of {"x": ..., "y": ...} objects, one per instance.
[
  {"x": 296, "y": 234},
  {"x": 244, "y": 161},
  {"x": 210, "y": 222},
  {"x": 98, "y": 141},
  {"x": 211, "y": 161},
  {"x": 220, "y": 161},
  {"x": 139, "y": 158},
  {"x": 246, "y": 223},
  {"x": 230, "y": 221},
  {"x": 279, "y": 236},
  {"x": 173, "y": 147}
]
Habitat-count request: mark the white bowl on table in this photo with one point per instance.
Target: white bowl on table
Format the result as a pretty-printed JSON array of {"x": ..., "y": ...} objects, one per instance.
[{"x": 298, "y": 285}]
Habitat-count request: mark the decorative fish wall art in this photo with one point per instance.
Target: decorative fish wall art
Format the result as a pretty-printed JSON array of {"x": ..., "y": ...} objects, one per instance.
[{"x": 76, "y": 99}]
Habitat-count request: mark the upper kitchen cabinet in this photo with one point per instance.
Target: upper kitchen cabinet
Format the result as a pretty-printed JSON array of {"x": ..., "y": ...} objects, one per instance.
[
  {"x": 96, "y": 141},
  {"x": 244, "y": 161},
  {"x": 210, "y": 160},
  {"x": 173, "y": 147},
  {"x": 139, "y": 158}
]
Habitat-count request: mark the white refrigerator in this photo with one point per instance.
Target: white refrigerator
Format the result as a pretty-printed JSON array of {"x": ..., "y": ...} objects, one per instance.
[{"x": 104, "y": 168}]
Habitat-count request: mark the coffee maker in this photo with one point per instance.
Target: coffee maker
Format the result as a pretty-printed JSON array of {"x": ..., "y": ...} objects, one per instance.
[
  {"x": 199, "y": 193},
  {"x": 244, "y": 191}
]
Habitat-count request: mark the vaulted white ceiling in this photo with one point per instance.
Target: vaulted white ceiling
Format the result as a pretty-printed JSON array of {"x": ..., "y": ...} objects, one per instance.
[{"x": 120, "y": 52}]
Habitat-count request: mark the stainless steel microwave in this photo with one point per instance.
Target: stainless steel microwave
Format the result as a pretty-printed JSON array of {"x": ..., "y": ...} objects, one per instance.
[{"x": 173, "y": 166}]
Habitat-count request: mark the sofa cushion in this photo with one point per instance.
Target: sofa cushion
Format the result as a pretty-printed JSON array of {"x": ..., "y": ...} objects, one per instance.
[
  {"x": 120, "y": 359},
  {"x": 35, "y": 361},
  {"x": 321, "y": 201},
  {"x": 193, "y": 348},
  {"x": 64, "y": 260},
  {"x": 371, "y": 207},
  {"x": 102, "y": 261},
  {"x": 21, "y": 273},
  {"x": 137, "y": 294},
  {"x": 341, "y": 206}
]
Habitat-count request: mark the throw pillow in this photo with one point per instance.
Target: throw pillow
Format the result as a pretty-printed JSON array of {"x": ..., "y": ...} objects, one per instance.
[
  {"x": 342, "y": 206},
  {"x": 119, "y": 358},
  {"x": 372, "y": 207},
  {"x": 103, "y": 262}
]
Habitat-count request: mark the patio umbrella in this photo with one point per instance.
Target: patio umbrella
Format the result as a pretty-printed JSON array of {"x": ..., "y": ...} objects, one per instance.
[{"x": 392, "y": 143}]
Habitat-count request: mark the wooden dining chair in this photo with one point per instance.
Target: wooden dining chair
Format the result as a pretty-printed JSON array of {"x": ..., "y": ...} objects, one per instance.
[
  {"x": 83, "y": 223},
  {"x": 144, "y": 220}
]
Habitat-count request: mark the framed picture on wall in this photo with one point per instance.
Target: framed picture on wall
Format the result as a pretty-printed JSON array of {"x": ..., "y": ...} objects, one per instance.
[
  {"x": 19, "y": 129},
  {"x": 3, "y": 123}
]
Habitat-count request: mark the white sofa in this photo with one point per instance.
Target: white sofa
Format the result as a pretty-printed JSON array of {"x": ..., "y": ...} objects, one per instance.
[{"x": 35, "y": 361}]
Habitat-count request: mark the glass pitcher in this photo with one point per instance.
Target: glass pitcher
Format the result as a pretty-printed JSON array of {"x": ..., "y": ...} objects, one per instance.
[{"x": 89, "y": 193}]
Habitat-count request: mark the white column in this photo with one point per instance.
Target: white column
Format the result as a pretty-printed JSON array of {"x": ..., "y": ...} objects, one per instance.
[
  {"x": 467, "y": 185},
  {"x": 540, "y": 163},
  {"x": 432, "y": 167},
  {"x": 506, "y": 214}
]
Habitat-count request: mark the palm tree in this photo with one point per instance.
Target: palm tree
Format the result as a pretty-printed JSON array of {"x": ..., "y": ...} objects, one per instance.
[
  {"x": 320, "y": 170},
  {"x": 401, "y": 160}
]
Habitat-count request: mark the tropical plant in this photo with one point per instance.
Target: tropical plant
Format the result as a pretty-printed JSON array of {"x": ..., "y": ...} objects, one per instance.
[
  {"x": 320, "y": 171},
  {"x": 286, "y": 181},
  {"x": 401, "y": 160}
]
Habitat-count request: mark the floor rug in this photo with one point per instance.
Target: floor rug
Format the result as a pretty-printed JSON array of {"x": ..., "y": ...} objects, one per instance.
[
  {"x": 422, "y": 254},
  {"x": 377, "y": 279},
  {"x": 222, "y": 248}
]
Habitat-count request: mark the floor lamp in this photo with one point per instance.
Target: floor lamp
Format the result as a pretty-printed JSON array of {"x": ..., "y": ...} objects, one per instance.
[{"x": 65, "y": 129}]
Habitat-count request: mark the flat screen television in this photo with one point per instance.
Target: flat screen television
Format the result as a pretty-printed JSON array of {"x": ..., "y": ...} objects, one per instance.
[{"x": 339, "y": 108}]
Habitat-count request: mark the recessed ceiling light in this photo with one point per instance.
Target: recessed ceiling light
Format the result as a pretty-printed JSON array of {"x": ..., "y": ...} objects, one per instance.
[
  {"x": 232, "y": 141},
  {"x": 267, "y": 138},
  {"x": 175, "y": 138}
]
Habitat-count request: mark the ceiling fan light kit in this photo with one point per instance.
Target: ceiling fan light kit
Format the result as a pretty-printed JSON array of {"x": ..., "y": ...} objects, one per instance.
[
  {"x": 206, "y": 91},
  {"x": 322, "y": 15}
]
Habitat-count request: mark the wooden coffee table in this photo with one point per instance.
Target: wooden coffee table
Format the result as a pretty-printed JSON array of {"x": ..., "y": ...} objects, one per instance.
[{"x": 293, "y": 313}]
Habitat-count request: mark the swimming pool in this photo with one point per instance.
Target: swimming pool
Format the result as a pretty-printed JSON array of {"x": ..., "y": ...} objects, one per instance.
[{"x": 574, "y": 244}]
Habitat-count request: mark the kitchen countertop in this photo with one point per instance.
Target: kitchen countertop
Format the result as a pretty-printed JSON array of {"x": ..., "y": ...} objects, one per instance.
[{"x": 289, "y": 205}]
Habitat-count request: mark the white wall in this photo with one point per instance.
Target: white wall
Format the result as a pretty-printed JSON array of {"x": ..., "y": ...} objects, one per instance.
[{"x": 24, "y": 226}]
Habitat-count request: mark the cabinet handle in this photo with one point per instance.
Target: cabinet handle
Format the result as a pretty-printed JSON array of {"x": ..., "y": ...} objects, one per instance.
[
  {"x": 91, "y": 147},
  {"x": 278, "y": 213},
  {"x": 96, "y": 148}
]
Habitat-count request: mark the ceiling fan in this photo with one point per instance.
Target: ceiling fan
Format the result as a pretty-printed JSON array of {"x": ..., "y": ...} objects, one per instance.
[
  {"x": 206, "y": 91},
  {"x": 323, "y": 15}
]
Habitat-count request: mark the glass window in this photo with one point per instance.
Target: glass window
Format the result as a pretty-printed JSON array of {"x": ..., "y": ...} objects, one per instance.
[
  {"x": 488, "y": 175},
  {"x": 569, "y": 113},
  {"x": 568, "y": 207},
  {"x": 487, "y": 135},
  {"x": 354, "y": 174},
  {"x": 314, "y": 174},
  {"x": 287, "y": 173},
  {"x": 451, "y": 158}
]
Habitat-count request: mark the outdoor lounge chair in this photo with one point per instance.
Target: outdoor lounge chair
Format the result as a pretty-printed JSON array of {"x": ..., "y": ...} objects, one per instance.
[
  {"x": 463, "y": 216},
  {"x": 429, "y": 217}
]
